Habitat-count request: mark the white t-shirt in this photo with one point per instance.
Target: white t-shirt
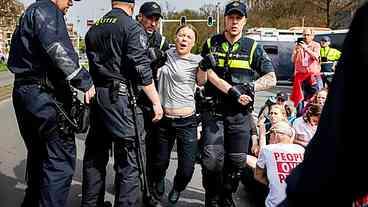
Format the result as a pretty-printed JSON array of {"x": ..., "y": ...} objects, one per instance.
[
  {"x": 303, "y": 128},
  {"x": 279, "y": 160}
]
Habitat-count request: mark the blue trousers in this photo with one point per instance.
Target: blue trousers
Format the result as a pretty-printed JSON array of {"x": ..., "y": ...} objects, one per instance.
[
  {"x": 111, "y": 122},
  {"x": 51, "y": 153}
]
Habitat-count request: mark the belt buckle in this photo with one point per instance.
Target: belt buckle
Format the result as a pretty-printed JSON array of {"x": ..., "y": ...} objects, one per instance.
[{"x": 123, "y": 89}]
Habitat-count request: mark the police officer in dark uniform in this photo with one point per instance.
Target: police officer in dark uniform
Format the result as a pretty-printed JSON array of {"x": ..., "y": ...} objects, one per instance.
[
  {"x": 230, "y": 88},
  {"x": 116, "y": 47},
  {"x": 149, "y": 18},
  {"x": 41, "y": 53}
]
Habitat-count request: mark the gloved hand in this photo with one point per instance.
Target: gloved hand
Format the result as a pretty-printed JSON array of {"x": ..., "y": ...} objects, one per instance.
[
  {"x": 208, "y": 62},
  {"x": 246, "y": 89},
  {"x": 234, "y": 92}
]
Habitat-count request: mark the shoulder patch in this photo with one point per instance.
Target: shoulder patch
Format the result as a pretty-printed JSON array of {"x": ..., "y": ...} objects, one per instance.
[{"x": 143, "y": 41}]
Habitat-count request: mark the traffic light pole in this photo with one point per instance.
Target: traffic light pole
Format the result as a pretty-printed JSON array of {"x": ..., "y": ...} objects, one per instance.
[{"x": 218, "y": 17}]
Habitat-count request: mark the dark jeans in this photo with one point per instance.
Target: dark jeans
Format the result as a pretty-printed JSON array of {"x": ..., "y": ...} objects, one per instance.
[
  {"x": 111, "y": 122},
  {"x": 225, "y": 145},
  {"x": 184, "y": 131},
  {"x": 51, "y": 153}
]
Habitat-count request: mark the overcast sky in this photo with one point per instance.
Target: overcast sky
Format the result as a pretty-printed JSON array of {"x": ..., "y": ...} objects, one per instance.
[{"x": 92, "y": 9}]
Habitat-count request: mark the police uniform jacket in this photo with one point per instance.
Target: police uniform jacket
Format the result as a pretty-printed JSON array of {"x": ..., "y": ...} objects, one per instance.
[
  {"x": 158, "y": 41},
  {"x": 117, "y": 45},
  {"x": 237, "y": 63},
  {"x": 41, "y": 45}
]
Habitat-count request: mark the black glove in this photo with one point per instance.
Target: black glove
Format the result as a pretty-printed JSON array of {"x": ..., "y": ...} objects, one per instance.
[
  {"x": 157, "y": 56},
  {"x": 208, "y": 62},
  {"x": 247, "y": 89},
  {"x": 234, "y": 92}
]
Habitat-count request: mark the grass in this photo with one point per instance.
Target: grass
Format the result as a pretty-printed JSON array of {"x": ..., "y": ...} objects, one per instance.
[{"x": 3, "y": 67}]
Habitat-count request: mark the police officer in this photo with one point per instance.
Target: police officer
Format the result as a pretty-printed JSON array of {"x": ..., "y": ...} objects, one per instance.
[
  {"x": 328, "y": 58},
  {"x": 41, "y": 53},
  {"x": 149, "y": 18},
  {"x": 116, "y": 47},
  {"x": 231, "y": 85}
]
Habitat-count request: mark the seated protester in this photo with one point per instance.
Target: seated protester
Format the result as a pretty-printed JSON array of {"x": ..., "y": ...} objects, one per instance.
[
  {"x": 306, "y": 126},
  {"x": 321, "y": 97},
  {"x": 269, "y": 170},
  {"x": 176, "y": 86},
  {"x": 280, "y": 99},
  {"x": 277, "y": 114}
]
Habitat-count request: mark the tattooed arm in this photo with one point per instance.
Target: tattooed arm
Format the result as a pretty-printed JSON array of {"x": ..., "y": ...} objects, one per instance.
[
  {"x": 263, "y": 65},
  {"x": 265, "y": 82}
]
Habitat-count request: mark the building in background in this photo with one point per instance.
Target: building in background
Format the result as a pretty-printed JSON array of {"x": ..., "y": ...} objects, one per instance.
[
  {"x": 10, "y": 11},
  {"x": 73, "y": 34}
]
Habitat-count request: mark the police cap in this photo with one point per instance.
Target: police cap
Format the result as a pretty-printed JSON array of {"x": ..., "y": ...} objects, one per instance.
[
  {"x": 236, "y": 7},
  {"x": 326, "y": 39},
  {"x": 150, "y": 9}
]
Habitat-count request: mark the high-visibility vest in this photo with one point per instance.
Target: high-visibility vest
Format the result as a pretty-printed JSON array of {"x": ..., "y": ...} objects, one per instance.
[
  {"x": 234, "y": 61},
  {"x": 328, "y": 54}
]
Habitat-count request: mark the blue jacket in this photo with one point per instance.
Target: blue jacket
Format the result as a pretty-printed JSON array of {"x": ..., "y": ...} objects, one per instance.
[{"x": 41, "y": 45}]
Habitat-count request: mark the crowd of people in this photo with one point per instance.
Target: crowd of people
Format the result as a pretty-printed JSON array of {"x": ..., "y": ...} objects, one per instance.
[{"x": 142, "y": 99}]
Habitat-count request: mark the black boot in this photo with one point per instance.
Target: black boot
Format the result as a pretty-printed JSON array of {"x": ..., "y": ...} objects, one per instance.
[
  {"x": 107, "y": 204},
  {"x": 227, "y": 200},
  {"x": 151, "y": 202},
  {"x": 212, "y": 201},
  {"x": 159, "y": 188},
  {"x": 173, "y": 196}
]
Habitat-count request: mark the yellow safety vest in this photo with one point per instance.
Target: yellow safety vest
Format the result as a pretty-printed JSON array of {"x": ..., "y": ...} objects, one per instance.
[
  {"x": 236, "y": 58},
  {"x": 329, "y": 54}
]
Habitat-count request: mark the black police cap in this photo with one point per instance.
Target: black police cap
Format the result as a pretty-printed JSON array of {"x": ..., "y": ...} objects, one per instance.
[
  {"x": 150, "y": 9},
  {"x": 236, "y": 7}
]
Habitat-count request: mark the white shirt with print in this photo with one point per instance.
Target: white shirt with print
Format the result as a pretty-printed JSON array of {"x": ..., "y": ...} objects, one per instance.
[{"x": 279, "y": 160}]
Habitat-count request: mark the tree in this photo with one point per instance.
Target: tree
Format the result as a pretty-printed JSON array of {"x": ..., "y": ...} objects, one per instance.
[
  {"x": 203, "y": 30},
  {"x": 287, "y": 13},
  {"x": 332, "y": 7},
  {"x": 82, "y": 46}
]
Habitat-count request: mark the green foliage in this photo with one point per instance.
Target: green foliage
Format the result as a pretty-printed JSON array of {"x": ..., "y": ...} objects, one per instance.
[
  {"x": 82, "y": 46},
  {"x": 204, "y": 32},
  {"x": 3, "y": 67}
]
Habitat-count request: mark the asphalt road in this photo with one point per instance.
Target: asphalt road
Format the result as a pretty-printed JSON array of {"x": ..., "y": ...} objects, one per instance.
[
  {"x": 6, "y": 78},
  {"x": 13, "y": 155}
]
